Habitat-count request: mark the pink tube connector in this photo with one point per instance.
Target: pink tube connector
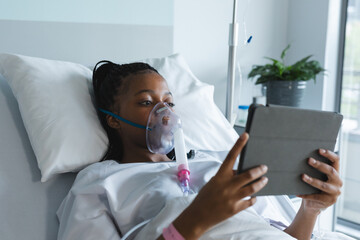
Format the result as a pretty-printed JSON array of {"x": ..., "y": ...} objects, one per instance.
[{"x": 184, "y": 177}]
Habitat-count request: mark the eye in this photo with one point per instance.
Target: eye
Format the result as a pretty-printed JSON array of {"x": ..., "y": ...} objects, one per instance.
[
  {"x": 146, "y": 103},
  {"x": 171, "y": 104}
]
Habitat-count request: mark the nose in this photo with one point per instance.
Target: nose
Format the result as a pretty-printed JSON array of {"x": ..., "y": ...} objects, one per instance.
[{"x": 165, "y": 120}]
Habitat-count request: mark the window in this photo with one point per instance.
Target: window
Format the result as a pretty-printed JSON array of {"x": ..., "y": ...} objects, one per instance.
[{"x": 349, "y": 204}]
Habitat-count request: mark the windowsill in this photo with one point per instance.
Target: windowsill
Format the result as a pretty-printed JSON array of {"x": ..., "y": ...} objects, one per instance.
[{"x": 348, "y": 228}]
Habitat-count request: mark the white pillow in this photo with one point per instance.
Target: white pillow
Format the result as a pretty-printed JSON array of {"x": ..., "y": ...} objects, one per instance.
[
  {"x": 57, "y": 112},
  {"x": 55, "y": 102}
]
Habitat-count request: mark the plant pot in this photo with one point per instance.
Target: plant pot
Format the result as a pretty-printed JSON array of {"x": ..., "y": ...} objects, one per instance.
[{"x": 286, "y": 93}]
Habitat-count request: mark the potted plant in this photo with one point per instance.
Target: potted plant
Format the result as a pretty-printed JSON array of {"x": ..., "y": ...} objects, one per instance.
[{"x": 285, "y": 84}]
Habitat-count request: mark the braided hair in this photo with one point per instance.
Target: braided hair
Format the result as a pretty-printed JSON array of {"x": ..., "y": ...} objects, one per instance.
[{"x": 109, "y": 81}]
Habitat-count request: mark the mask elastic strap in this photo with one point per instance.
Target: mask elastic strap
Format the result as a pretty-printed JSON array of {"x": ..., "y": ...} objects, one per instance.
[{"x": 124, "y": 120}]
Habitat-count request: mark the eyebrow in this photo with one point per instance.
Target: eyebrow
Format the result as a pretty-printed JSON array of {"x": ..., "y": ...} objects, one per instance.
[{"x": 150, "y": 91}]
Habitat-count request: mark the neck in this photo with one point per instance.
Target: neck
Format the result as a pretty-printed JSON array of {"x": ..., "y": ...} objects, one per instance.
[{"x": 133, "y": 155}]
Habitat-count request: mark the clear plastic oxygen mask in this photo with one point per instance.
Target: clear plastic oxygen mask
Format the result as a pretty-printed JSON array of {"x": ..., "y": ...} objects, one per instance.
[
  {"x": 161, "y": 125},
  {"x": 163, "y": 133}
]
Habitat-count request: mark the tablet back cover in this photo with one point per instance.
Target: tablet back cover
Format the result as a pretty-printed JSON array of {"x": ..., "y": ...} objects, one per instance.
[{"x": 283, "y": 138}]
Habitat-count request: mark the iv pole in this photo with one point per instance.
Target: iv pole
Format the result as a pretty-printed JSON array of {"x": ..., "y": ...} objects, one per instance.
[{"x": 233, "y": 40}]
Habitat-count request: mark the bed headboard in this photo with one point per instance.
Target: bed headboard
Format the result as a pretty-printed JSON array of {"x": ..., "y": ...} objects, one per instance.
[{"x": 29, "y": 206}]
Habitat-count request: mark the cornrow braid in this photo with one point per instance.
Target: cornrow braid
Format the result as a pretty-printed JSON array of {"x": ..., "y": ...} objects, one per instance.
[{"x": 109, "y": 81}]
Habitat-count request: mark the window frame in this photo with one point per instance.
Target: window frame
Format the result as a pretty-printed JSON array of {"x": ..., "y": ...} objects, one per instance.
[{"x": 337, "y": 220}]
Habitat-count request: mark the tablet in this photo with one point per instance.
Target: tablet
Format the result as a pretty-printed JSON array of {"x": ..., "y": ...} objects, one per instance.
[{"x": 283, "y": 138}]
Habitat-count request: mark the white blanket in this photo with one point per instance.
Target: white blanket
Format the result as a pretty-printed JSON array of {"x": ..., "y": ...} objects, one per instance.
[
  {"x": 108, "y": 199},
  {"x": 246, "y": 225}
]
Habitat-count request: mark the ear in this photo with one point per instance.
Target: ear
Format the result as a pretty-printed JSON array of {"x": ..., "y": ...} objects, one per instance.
[{"x": 112, "y": 122}]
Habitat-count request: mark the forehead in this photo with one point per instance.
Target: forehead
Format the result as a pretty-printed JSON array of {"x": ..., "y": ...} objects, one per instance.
[
  {"x": 138, "y": 83},
  {"x": 149, "y": 80}
]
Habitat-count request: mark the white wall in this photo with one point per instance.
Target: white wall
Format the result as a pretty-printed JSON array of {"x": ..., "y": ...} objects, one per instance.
[
  {"x": 85, "y": 43},
  {"x": 87, "y": 31},
  {"x": 201, "y": 30},
  {"x": 139, "y": 12},
  {"x": 201, "y": 36},
  {"x": 266, "y": 21},
  {"x": 307, "y": 30}
]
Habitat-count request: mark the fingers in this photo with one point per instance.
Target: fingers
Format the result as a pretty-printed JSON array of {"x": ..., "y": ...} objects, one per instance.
[
  {"x": 250, "y": 175},
  {"x": 330, "y": 189},
  {"x": 253, "y": 187},
  {"x": 333, "y": 157},
  {"x": 330, "y": 171},
  {"x": 243, "y": 204},
  {"x": 233, "y": 154},
  {"x": 323, "y": 186}
]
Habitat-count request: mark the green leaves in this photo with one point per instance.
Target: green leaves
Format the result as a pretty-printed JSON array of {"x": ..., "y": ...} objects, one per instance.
[
  {"x": 302, "y": 70},
  {"x": 283, "y": 53}
]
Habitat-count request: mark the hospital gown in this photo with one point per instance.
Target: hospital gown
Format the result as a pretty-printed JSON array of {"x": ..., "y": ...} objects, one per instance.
[{"x": 108, "y": 199}]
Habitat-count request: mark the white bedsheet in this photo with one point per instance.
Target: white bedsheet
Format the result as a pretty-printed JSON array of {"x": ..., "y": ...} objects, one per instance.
[{"x": 108, "y": 198}]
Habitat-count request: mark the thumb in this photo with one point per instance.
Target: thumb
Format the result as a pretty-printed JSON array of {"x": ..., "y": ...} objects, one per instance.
[{"x": 230, "y": 159}]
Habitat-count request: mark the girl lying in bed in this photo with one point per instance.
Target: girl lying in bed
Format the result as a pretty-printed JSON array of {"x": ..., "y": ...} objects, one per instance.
[{"x": 111, "y": 197}]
